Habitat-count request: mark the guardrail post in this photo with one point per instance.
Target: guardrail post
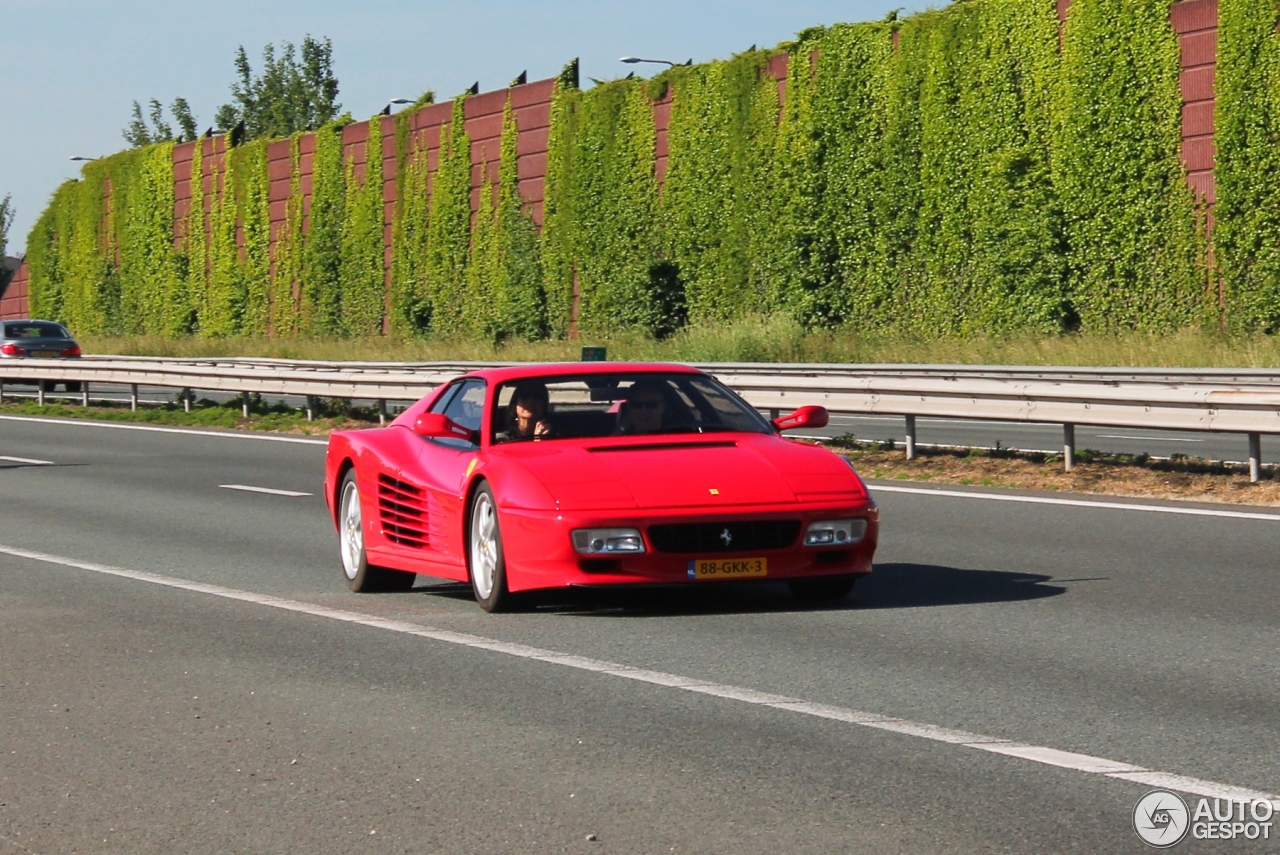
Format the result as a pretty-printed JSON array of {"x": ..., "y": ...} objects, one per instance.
[
  {"x": 244, "y": 405},
  {"x": 311, "y": 408},
  {"x": 187, "y": 395},
  {"x": 382, "y": 411},
  {"x": 1, "y": 391},
  {"x": 774, "y": 413},
  {"x": 84, "y": 394},
  {"x": 911, "y": 437},
  {"x": 1068, "y": 447},
  {"x": 1255, "y": 457},
  {"x": 133, "y": 396},
  {"x": 40, "y": 393}
]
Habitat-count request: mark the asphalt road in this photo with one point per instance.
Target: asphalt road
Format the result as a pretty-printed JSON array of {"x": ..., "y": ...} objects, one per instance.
[{"x": 183, "y": 670}]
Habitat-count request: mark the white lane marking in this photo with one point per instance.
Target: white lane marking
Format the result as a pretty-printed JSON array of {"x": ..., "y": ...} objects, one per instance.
[
  {"x": 1149, "y": 438},
  {"x": 26, "y": 460},
  {"x": 270, "y": 490},
  {"x": 157, "y": 429},
  {"x": 1085, "y": 763},
  {"x": 1076, "y": 503}
]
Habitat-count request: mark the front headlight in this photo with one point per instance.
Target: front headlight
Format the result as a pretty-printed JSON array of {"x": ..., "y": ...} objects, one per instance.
[
  {"x": 607, "y": 541},
  {"x": 835, "y": 532}
]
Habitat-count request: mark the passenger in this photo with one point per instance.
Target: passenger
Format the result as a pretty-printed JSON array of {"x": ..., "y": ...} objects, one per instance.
[
  {"x": 527, "y": 413},
  {"x": 644, "y": 408}
]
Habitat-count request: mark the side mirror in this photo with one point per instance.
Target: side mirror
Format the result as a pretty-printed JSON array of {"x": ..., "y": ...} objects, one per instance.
[
  {"x": 438, "y": 425},
  {"x": 805, "y": 417}
]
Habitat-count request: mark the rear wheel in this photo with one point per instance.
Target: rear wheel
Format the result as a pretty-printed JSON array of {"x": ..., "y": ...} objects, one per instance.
[
  {"x": 486, "y": 562},
  {"x": 362, "y": 577},
  {"x": 73, "y": 386},
  {"x": 822, "y": 588}
]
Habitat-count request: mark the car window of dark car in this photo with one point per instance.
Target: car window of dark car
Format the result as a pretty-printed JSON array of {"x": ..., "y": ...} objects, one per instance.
[{"x": 34, "y": 331}]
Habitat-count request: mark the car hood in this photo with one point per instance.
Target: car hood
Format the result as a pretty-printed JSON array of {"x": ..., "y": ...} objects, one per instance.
[{"x": 680, "y": 472}]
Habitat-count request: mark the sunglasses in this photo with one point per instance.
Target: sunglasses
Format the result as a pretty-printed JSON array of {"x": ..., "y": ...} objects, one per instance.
[{"x": 644, "y": 405}]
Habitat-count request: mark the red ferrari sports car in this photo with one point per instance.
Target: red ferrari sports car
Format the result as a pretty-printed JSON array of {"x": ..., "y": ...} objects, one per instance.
[{"x": 542, "y": 476}]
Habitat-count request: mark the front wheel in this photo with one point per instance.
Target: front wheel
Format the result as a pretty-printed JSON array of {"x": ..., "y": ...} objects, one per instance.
[
  {"x": 362, "y": 577},
  {"x": 821, "y": 588},
  {"x": 487, "y": 563}
]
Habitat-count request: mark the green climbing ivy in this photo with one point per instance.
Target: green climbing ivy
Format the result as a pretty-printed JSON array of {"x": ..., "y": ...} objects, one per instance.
[
  {"x": 410, "y": 302},
  {"x": 612, "y": 246},
  {"x": 322, "y": 254},
  {"x": 1247, "y": 136},
  {"x": 1130, "y": 220},
  {"x": 715, "y": 204},
  {"x": 448, "y": 244},
  {"x": 361, "y": 266},
  {"x": 286, "y": 259}
]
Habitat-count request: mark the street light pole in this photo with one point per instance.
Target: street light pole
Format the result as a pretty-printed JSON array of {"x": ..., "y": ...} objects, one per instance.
[{"x": 632, "y": 60}]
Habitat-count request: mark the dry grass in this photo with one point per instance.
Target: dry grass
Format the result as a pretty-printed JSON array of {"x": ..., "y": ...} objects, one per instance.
[
  {"x": 757, "y": 339},
  {"x": 1187, "y": 480}
]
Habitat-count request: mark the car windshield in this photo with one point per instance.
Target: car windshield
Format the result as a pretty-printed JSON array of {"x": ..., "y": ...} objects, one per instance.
[
  {"x": 34, "y": 330},
  {"x": 598, "y": 405}
]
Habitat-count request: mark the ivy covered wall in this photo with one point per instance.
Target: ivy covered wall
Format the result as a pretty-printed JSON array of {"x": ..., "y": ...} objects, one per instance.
[
  {"x": 1247, "y": 133},
  {"x": 991, "y": 166}
]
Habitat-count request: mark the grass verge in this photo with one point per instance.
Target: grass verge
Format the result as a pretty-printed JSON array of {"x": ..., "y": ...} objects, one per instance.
[{"x": 753, "y": 339}]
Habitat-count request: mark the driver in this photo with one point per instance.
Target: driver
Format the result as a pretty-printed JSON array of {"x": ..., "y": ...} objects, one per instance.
[{"x": 644, "y": 408}]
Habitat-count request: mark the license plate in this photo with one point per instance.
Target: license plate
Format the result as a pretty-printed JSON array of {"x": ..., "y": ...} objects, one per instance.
[
  {"x": 44, "y": 353},
  {"x": 728, "y": 568}
]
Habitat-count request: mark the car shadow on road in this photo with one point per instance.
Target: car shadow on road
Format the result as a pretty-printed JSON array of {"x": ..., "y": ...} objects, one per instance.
[
  {"x": 910, "y": 586},
  {"x": 891, "y": 586}
]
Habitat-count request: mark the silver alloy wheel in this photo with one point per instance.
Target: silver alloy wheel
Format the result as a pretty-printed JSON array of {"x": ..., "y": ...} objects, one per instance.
[
  {"x": 484, "y": 545},
  {"x": 351, "y": 530}
]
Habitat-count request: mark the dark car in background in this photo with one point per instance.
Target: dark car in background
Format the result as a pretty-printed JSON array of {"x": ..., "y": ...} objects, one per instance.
[{"x": 33, "y": 339}]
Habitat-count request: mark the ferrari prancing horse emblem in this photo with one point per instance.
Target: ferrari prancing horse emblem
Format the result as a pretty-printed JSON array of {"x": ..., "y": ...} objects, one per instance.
[{"x": 726, "y": 537}]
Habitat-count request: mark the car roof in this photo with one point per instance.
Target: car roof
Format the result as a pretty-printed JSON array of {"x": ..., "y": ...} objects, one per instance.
[{"x": 558, "y": 369}]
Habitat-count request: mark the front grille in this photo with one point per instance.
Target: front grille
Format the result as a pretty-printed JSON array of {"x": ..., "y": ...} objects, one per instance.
[
  {"x": 711, "y": 537},
  {"x": 402, "y": 510}
]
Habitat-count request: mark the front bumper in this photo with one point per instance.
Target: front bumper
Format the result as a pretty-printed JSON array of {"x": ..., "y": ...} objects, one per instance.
[{"x": 539, "y": 553}]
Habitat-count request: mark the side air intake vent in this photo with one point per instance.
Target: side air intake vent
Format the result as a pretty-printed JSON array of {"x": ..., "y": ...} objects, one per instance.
[{"x": 402, "y": 510}]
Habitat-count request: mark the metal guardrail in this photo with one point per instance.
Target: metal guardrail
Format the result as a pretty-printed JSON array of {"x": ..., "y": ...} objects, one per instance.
[{"x": 1225, "y": 400}]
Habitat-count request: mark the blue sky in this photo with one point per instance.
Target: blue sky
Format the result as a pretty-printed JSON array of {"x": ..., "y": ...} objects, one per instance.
[{"x": 71, "y": 70}]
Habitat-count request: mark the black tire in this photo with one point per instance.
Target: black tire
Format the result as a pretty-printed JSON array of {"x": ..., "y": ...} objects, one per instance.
[
  {"x": 48, "y": 385},
  {"x": 362, "y": 577},
  {"x": 822, "y": 588},
  {"x": 73, "y": 386},
  {"x": 486, "y": 560}
]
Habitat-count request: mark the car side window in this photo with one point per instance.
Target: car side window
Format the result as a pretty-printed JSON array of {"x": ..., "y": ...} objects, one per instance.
[
  {"x": 448, "y": 395},
  {"x": 464, "y": 404}
]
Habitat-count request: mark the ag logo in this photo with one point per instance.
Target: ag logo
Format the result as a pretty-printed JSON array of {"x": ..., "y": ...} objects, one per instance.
[{"x": 1161, "y": 819}]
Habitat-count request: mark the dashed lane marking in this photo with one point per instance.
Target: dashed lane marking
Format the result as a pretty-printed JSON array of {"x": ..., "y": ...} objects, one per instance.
[{"x": 269, "y": 490}]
